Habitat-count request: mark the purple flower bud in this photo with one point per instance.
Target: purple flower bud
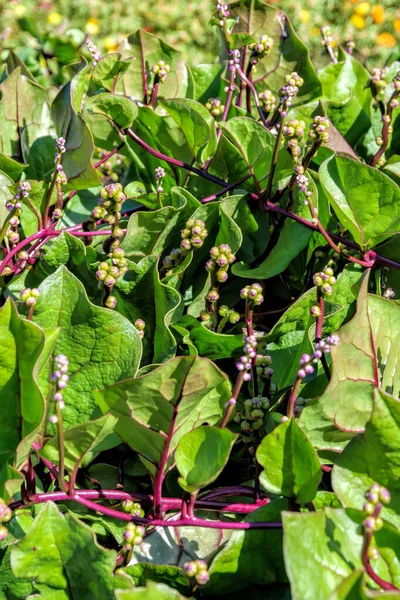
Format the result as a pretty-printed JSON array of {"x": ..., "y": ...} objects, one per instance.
[{"x": 301, "y": 373}]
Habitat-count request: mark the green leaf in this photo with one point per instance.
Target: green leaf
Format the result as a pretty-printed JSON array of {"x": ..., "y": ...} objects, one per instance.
[
  {"x": 79, "y": 143},
  {"x": 209, "y": 343},
  {"x": 142, "y": 295},
  {"x": 289, "y": 52},
  {"x": 79, "y": 442},
  {"x": 347, "y": 97},
  {"x": 250, "y": 556},
  {"x": 108, "y": 69},
  {"x": 201, "y": 456},
  {"x": 21, "y": 402},
  {"x": 320, "y": 430},
  {"x": 196, "y": 123},
  {"x": 291, "y": 465},
  {"x": 208, "y": 81},
  {"x": 24, "y": 115},
  {"x": 156, "y": 410},
  {"x": 119, "y": 109},
  {"x": 13, "y": 168},
  {"x": 321, "y": 549},
  {"x": 373, "y": 456},
  {"x": 143, "y": 572},
  {"x": 101, "y": 345},
  {"x": 152, "y": 591},
  {"x": 166, "y": 546},
  {"x": 291, "y": 336},
  {"x": 293, "y": 238},
  {"x": 366, "y": 201},
  {"x": 61, "y": 556},
  {"x": 255, "y": 144},
  {"x": 370, "y": 344},
  {"x": 152, "y": 232},
  {"x": 145, "y": 49}
]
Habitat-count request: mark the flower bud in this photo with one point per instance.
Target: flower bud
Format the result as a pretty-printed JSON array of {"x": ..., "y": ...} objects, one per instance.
[{"x": 111, "y": 302}]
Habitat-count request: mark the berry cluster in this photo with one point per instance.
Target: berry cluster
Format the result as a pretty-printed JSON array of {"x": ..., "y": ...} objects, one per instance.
[
  {"x": 378, "y": 81},
  {"x": 326, "y": 34},
  {"x": 111, "y": 169},
  {"x": 61, "y": 377},
  {"x": 193, "y": 237},
  {"x": 293, "y": 133},
  {"x": 222, "y": 9},
  {"x": 251, "y": 416},
  {"x": 94, "y": 52},
  {"x": 29, "y": 296},
  {"x": 234, "y": 61},
  {"x": 23, "y": 190},
  {"x": 228, "y": 314},
  {"x": 375, "y": 497},
  {"x": 215, "y": 106},
  {"x": 132, "y": 508},
  {"x": 299, "y": 405},
  {"x": 302, "y": 182},
  {"x": 221, "y": 257},
  {"x": 161, "y": 70},
  {"x": 263, "y": 369},
  {"x": 140, "y": 326},
  {"x": 133, "y": 536},
  {"x": 261, "y": 49},
  {"x": 253, "y": 294},
  {"x": 109, "y": 271},
  {"x": 319, "y": 129},
  {"x": 197, "y": 569},
  {"x": 160, "y": 174},
  {"x": 389, "y": 293},
  {"x": 293, "y": 82},
  {"x": 267, "y": 101},
  {"x": 249, "y": 352},
  {"x": 325, "y": 280},
  {"x": 306, "y": 361},
  {"x": 109, "y": 207},
  {"x": 15, "y": 204}
]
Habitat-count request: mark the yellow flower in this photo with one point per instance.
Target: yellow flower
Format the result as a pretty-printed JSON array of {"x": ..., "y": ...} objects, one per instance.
[
  {"x": 110, "y": 44},
  {"x": 362, "y": 9},
  {"x": 396, "y": 25},
  {"x": 92, "y": 26},
  {"x": 54, "y": 18},
  {"x": 378, "y": 14},
  {"x": 315, "y": 31},
  {"x": 357, "y": 21},
  {"x": 386, "y": 39},
  {"x": 305, "y": 16},
  {"x": 19, "y": 10}
]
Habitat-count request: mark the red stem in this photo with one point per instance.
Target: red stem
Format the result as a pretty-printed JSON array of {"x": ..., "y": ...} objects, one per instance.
[
  {"x": 385, "y": 585},
  {"x": 235, "y": 394}
]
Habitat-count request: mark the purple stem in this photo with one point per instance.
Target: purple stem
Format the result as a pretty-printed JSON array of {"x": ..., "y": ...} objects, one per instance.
[
  {"x": 173, "y": 161},
  {"x": 168, "y": 503},
  {"x": 225, "y": 190}
]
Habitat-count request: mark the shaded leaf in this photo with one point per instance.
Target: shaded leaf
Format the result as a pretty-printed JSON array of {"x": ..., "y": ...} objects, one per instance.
[{"x": 291, "y": 465}]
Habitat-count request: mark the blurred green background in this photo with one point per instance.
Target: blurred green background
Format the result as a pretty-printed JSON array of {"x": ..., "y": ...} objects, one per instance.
[{"x": 60, "y": 26}]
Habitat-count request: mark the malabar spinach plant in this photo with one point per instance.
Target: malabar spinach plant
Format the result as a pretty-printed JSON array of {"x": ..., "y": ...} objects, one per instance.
[{"x": 199, "y": 324}]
